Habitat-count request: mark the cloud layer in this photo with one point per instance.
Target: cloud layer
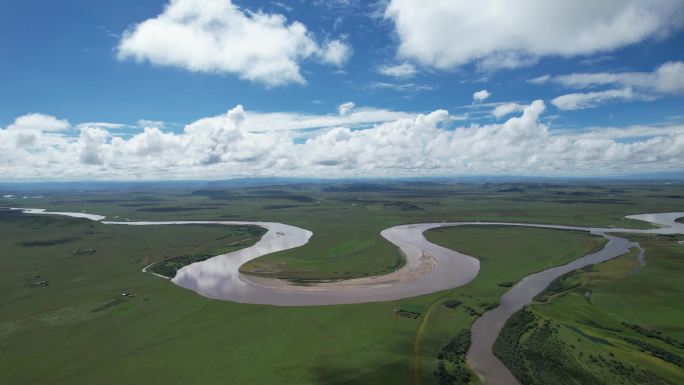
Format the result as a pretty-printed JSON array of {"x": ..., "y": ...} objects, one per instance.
[
  {"x": 403, "y": 70},
  {"x": 506, "y": 109},
  {"x": 222, "y": 146},
  {"x": 445, "y": 34},
  {"x": 216, "y": 36},
  {"x": 667, "y": 79},
  {"x": 582, "y": 100}
]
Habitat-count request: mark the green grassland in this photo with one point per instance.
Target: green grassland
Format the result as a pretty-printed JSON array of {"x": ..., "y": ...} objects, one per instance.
[
  {"x": 615, "y": 323},
  {"x": 347, "y": 218},
  {"x": 235, "y": 238},
  {"x": 78, "y": 329},
  {"x": 506, "y": 255}
]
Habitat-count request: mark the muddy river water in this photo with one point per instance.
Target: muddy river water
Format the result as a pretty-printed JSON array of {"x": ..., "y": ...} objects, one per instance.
[{"x": 429, "y": 268}]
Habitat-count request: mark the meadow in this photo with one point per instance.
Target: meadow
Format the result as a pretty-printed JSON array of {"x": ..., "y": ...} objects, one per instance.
[
  {"x": 78, "y": 329},
  {"x": 617, "y": 322}
]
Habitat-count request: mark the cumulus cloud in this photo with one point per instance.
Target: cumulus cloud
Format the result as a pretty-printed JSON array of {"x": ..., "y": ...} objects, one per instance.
[
  {"x": 91, "y": 145},
  {"x": 28, "y": 131},
  {"x": 481, "y": 96},
  {"x": 501, "y": 33},
  {"x": 345, "y": 108},
  {"x": 403, "y": 70},
  {"x": 335, "y": 52},
  {"x": 506, "y": 109},
  {"x": 217, "y": 36},
  {"x": 426, "y": 144},
  {"x": 39, "y": 122}
]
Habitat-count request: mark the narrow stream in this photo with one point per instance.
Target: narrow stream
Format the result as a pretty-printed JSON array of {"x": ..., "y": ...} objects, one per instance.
[{"x": 486, "y": 329}]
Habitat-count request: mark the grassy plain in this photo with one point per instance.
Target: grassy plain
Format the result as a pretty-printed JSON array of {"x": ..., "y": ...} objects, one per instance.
[
  {"x": 78, "y": 329},
  {"x": 618, "y": 322},
  {"x": 347, "y": 218},
  {"x": 506, "y": 255}
]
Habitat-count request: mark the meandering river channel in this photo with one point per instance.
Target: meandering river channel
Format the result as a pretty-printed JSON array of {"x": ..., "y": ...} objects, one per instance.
[{"x": 428, "y": 268}]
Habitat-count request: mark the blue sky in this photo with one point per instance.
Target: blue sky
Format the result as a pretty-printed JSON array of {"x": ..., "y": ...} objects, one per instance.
[{"x": 80, "y": 62}]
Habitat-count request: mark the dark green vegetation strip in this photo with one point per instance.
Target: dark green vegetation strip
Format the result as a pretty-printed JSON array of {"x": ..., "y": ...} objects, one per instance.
[
  {"x": 657, "y": 352},
  {"x": 451, "y": 368},
  {"x": 170, "y": 266},
  {"x": 535, "y": 354},
  {"x": 655, "y": 334},
  {"x": 175, "y": 209},
  {"x": 588, "y": 340},
  {"x": 557, "y": 286},
  {"x": 452, "y": 303},
  {"x": 246, "y": 235},
  {"x": 48, "y": 242},
  {"x": 110, "y": 304}
]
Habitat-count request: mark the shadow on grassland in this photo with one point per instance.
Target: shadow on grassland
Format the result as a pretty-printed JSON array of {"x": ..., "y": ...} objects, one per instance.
[
  {"x": 384, "y": 374},
  {"x": 344, "y": 370}
]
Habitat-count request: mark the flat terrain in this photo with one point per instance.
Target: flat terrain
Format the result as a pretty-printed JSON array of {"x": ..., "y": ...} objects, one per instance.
[
  {"x": 347, "y": 218},
  {"x": 232, "y": 238},
  {"x": 618, "y": 322},
  {"x": 506, "y": 255},
  {"x": 78, "y": 329}
]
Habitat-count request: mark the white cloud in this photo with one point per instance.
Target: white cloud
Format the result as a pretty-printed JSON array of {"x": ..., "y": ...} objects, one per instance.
[
  {"x": 577, "y": 101},
  {"x": 105, "y": 125},
  {"x": 403, "y": 70},
  {"x": 345, "y": 108},
  {"x": 30, "y": 130},
  {"x": 217, "y": 36},
  {"x": 665, "y": 79},
  {"x": 39, "y": 122},
  {"x": 401, "y": 87},
  {"x": 347, "y": 115},
  {"x": 668, "y": 78},
  {"x": 506, "y": 109},
  {"x": 91, "y": 145},
  {"x": 540, "y": 79},
  {"x": 146, "y": 123},
  {"x": 481, "y": 96},
  {"x": 336, "y": 52},
  {"x": 426, "y": 144},
  {"x": 505, "y": 60},
  {"x": 501, "y": 33}
]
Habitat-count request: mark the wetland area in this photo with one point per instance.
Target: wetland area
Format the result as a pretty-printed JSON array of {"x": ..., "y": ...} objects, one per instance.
[{"x": 442, "y": 285}]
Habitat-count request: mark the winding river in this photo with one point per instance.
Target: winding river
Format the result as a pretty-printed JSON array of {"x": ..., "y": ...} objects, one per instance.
[{"x": 428, "y": 268}]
